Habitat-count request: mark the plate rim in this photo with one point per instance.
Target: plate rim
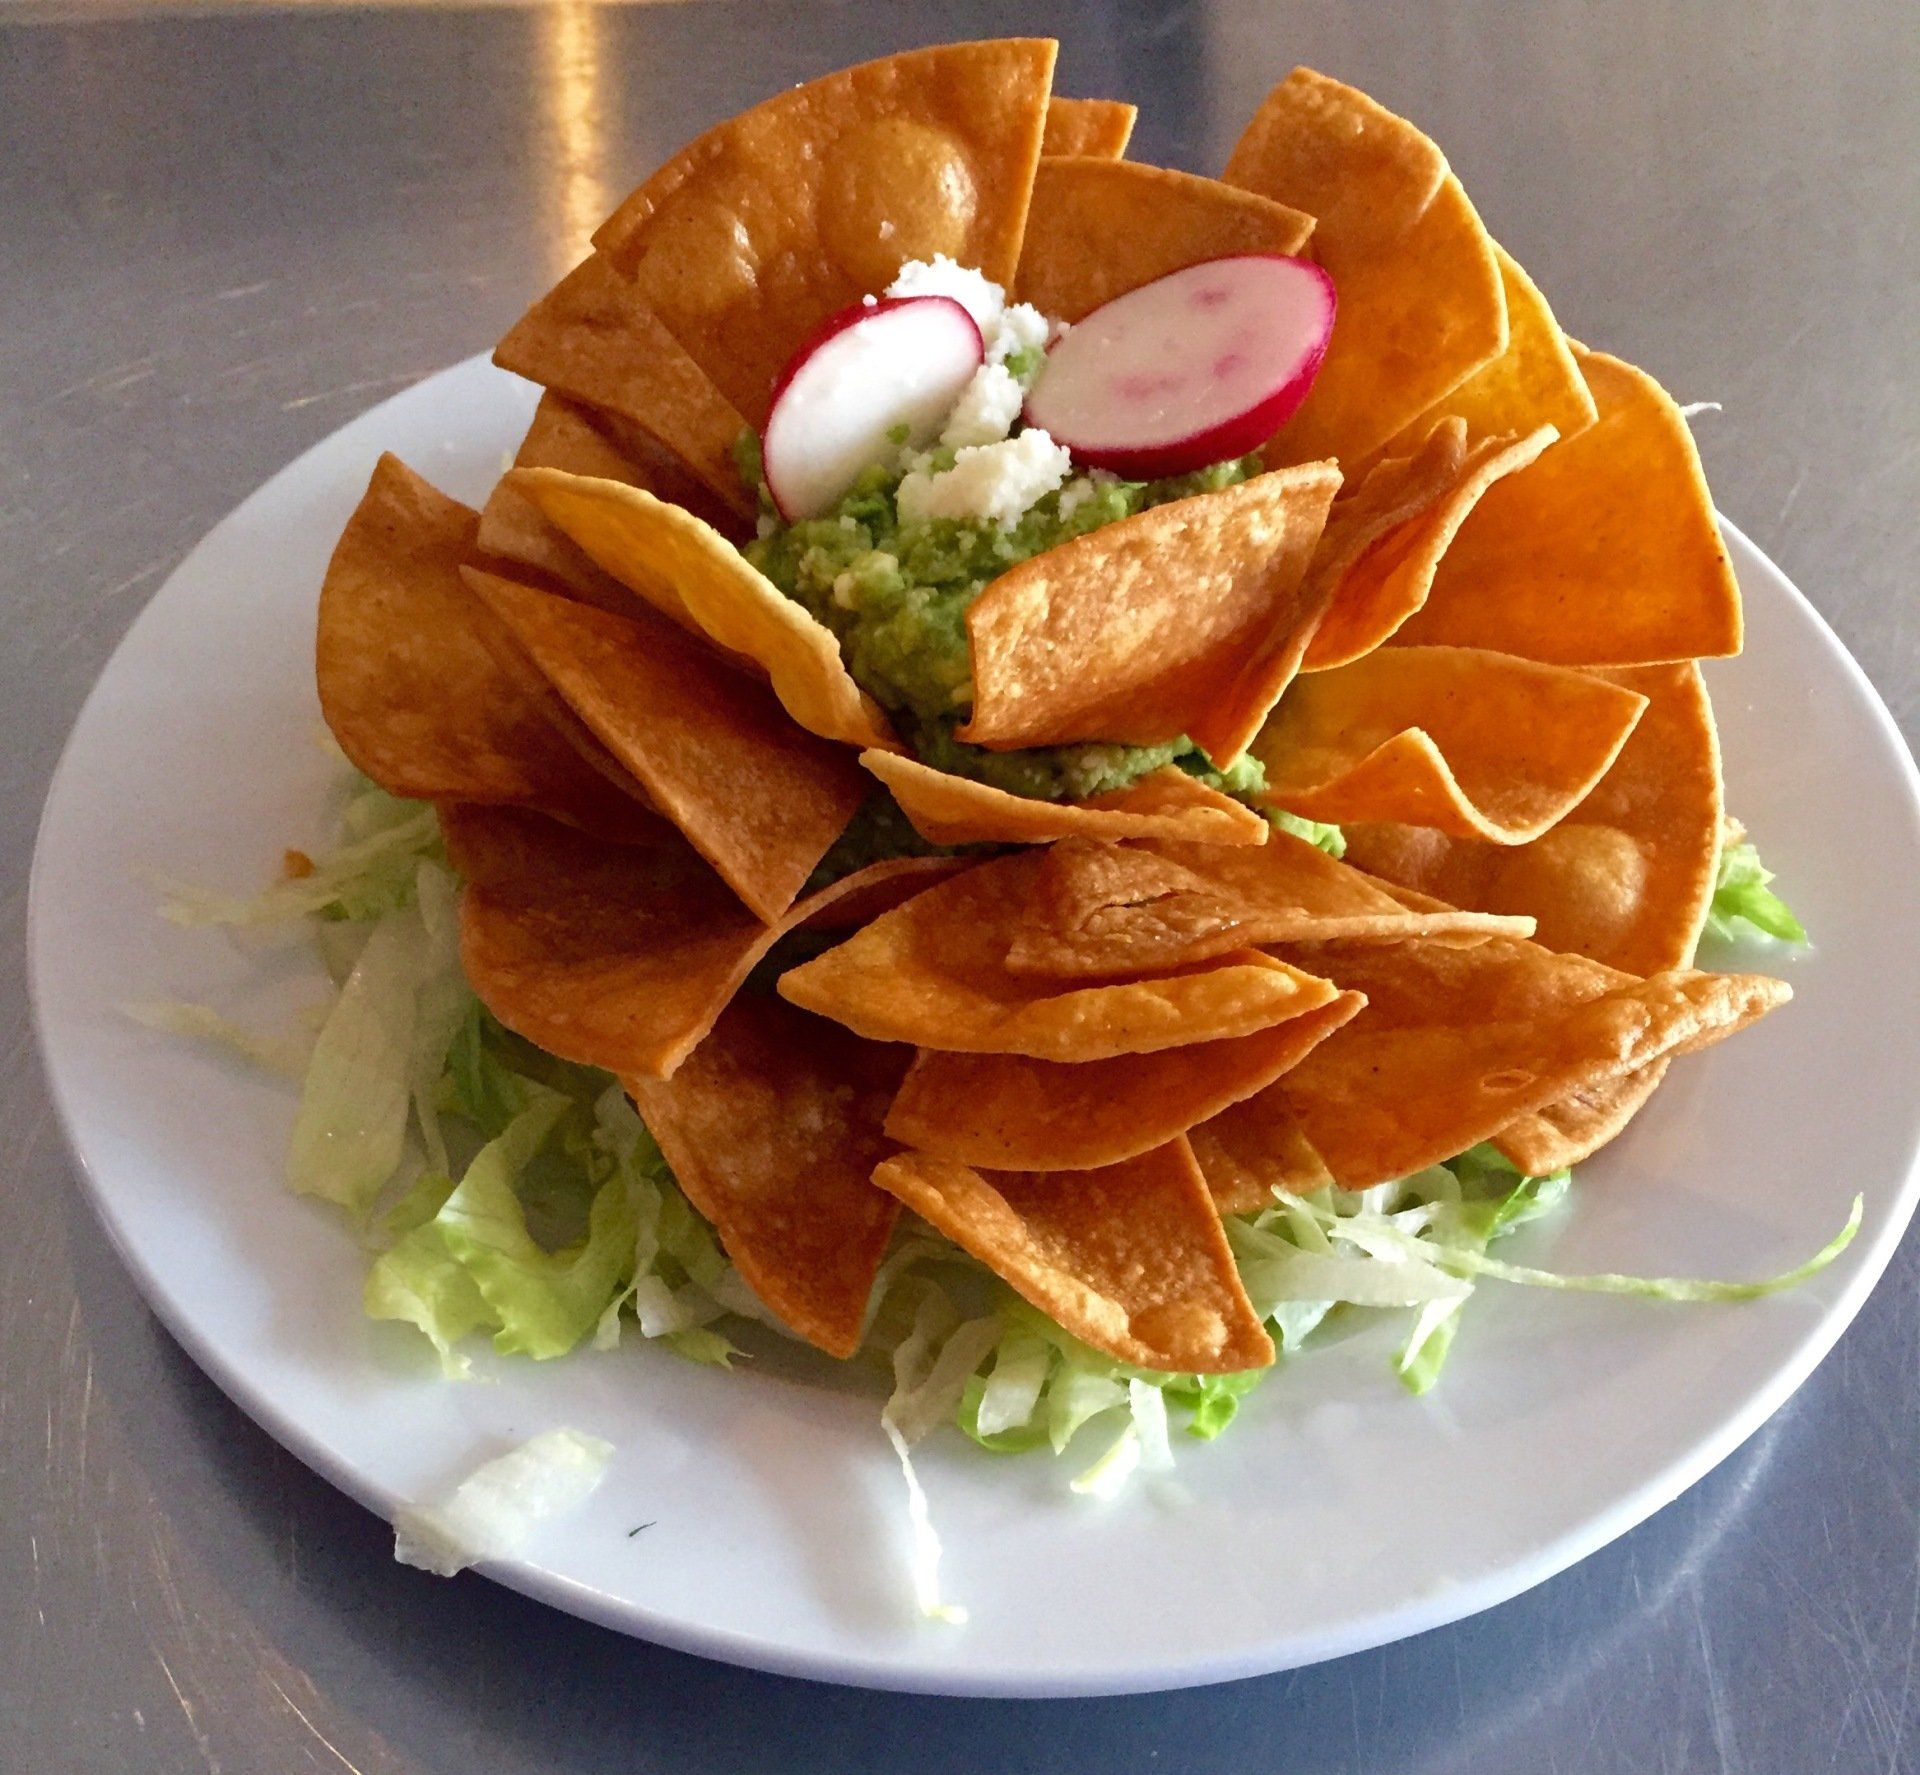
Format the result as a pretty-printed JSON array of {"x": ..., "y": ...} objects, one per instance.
[{"x": 924, "y": 1674}]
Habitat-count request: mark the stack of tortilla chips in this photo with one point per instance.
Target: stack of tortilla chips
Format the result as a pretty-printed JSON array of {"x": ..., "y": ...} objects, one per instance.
[{"x": 1459, "y": 616}]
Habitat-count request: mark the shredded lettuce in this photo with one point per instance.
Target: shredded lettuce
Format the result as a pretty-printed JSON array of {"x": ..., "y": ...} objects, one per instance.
[
  {"x": 1317, "y": 832},
  {"x": 286, "y": 1056},
  {"x": 495, "y": 1508},
  {"x": 509, "y": 1194},
  {"x": 1741, "y": 896}
]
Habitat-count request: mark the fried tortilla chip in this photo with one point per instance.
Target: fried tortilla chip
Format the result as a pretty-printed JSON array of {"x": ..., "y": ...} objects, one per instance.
[
  {"x": 565, "y": 435},
  {"x": 686, "y": 570},
  {"x": 933, "y": 972},
  {"x": 1455, "y": 1045},
  {"x": 772, "y": 1127},
  {"x": 410, "y": 688},
  {"x": 1019, "y": 1114},
  {"x": 615, "y": 955},
  {"x": 1101, "y": 227},
  {"x": 1100, "y": 127},
  {"x": 593, "y": 337},
  {"x": 1385, "y": 582},
  {"x": 751, "y": 236},
  {"x": 1131, "y": 1258},
  {"x": 1625, "y": 878},
  {"x": 1534, "y": 382},
  {"x": 1571, "y": 1131},
  {"x": 758, "y": 797},
  {"x": 1188, "y": 618},
  {"x": 1605, "y": 552},
  {"x": 1104, "y": 911},
  {"x": 1168, "y": 803},
  {"x": 1475, "y": 744},
  {"x": 1421, "y": 304},
  {"x": 513, "y": 530}
]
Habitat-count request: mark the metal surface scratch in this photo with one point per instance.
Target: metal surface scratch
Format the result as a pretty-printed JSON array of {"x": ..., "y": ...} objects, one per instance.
[
  {"x": 300, "y": 1713},
  {"x": 192, "y": 1719}
]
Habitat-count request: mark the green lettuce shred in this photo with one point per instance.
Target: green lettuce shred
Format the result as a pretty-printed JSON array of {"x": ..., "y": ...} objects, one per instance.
[
  {"x": 1742, "y": 897},
  {"x": 507, "y": 1194}
]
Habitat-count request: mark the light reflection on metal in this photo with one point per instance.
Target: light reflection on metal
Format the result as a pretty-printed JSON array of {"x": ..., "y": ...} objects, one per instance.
[{"x": 572, "y": 94}]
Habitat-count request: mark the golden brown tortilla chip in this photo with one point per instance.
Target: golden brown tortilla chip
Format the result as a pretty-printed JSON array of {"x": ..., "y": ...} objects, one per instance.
[
  {"x": 1099, "y": 228},
  {"x": 1101, "y": 127},
  {"x": 408, "y": 684},
  {"x": 1131, "y": 1259},
  {"x": 933, "y": 972},
  {"x": 946, "y": 809},
  {"x": 1103, "y": 911},
  {"x": 1420, "y": 300},
  {"x": 515, "y": 531},
  {"x": 1476, "y": 744},
  {"x": 1017, "y": 1114},
  {"x": 614, "y": 955},
  {"x": 758, "y": 797},
  {"x": 1571, "y": 1131},
  {"x": 1188, "y": 618},
  {"x": 772, "y": 1127},
  {"x": 1456, "y": 1044},
  {"x": 688, "y": 571},
  {"x": 592, "y": 337},
  {"x": 1534, "y": 382},
  {"x": 749, "y": 237},
  {"x": 1626, "y": 877},
  {"x": 1387, "y": 581},
  {"x": 1605, "y": 552}
]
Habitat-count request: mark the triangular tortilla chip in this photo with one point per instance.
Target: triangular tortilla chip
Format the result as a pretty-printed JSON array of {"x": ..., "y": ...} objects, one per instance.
[
  {"x": 1019, "y": 1114},
  {"x": 1454, "y": 1046},
  {"x": 615, "y": 955},
  {"x": 1420, "y": 301},
  {"x": 758, "y": 797},
  {"x": 688, "y": 571},
  {"x": 1188, "y": 618},
  {"x": 933, "y": 972},
  {"x": 1099, "y": 228},
  {"x": 593, "y": 337},
  {"x": 772, "y": 1127},
  {"x": 1100, "y": 127},
  {"x": 1534, "y": 382},
  {"x": 1131, "y": 1259},
  {"x": 946, "y": 809},
  {"x": 410, "y": 688},
  {"x": 751, "y": 236},
  {"x": 1386, "y": 582},
  {"x": 1476, "y": 744},
  {"x": 515, "y": 531},
  {"x": 1626, "y": 877},
  {"x": 1104, "y": 911},
  {"x": 1605, "y": 552},
  {"x": 1571, "y": 1131}
]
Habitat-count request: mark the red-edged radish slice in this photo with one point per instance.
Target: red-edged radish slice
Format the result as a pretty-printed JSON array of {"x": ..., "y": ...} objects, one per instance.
[
  {"x": 1198, "y": 366},
  {"x": 860, "y": 376}
]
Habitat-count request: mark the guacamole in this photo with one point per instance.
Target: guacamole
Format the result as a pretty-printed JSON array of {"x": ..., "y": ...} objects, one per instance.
[{"x": 895, "y": 594}]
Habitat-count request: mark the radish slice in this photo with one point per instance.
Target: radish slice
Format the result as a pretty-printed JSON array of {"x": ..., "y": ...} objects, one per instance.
[
  {"x": 864, "y": 373},
  {"x": 1196, "y": 367}
]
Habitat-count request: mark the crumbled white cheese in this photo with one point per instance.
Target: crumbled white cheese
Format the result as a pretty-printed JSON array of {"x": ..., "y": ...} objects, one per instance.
[
  {"x": 1003, "y": 328},
  {"x": 993, "y": 482},
  {"x": 978, "y": 294},
  {"x": 1022, "y": 327},
  {"x": 986, "y": 410}
]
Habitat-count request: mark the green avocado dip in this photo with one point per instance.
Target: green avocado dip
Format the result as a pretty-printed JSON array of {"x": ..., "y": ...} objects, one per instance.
[{"x": 895, "y": 594}]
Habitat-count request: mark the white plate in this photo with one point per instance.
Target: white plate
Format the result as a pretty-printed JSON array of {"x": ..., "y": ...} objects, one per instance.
[{"x": 1340, "y": 1514}]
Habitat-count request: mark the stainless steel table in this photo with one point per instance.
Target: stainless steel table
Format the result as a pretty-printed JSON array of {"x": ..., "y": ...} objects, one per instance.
[{"x": 222, "y": 235}]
